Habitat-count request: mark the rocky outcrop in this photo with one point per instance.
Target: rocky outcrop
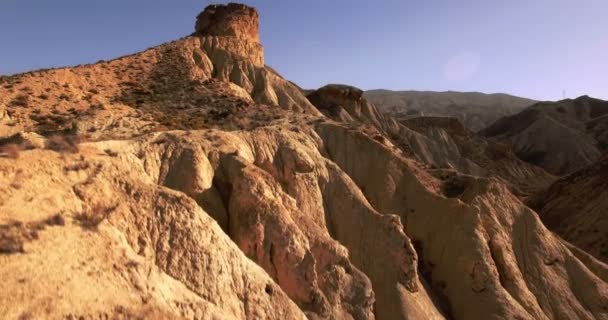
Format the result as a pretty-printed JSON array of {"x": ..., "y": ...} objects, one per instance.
[
  {"x": 345, "y": 103},
  {"x": 232, "y": 20},
  {"x": 234, "y": 28},
  {"x": 228, "y": 34}
]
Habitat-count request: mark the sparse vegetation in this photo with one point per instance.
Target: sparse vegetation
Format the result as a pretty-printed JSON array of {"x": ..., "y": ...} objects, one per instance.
[
  {"x": 77, "y": 166},
  {"x": 62, "y": 143},
  {"x": 20, "y": 101},
  {"x": 111, "y": 153},
  {"x": 56, "y": 220},
  {"x": 13, "y": 236},
  {"x": 10, "y": 151},
  {"x": 91, "y": 219}
]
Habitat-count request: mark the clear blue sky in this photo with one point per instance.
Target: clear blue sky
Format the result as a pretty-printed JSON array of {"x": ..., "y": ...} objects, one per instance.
[{"x": 531, "y": 48}]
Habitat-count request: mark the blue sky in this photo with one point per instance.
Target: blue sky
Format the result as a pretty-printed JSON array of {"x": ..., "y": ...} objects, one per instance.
[{"x": 531, "y": 48}]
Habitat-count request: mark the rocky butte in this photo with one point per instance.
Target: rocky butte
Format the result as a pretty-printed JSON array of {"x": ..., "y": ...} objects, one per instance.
[{"x": 192, "y": 181}]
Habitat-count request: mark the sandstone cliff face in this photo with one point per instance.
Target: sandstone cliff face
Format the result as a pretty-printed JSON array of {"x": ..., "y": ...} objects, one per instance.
[
  {"x": 346, "y": 103},
  {"x": 233, "y": 20},
  {"x": 175, "y": 192}
]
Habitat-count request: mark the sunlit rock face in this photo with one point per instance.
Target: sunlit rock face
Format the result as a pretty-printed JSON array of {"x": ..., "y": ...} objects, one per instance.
[{"x": 234, "y": 27}]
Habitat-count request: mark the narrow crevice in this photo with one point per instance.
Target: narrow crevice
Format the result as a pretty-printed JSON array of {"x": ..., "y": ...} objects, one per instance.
[
  {"x": 224, "y": 189},
  {"x": 271, "y": 253},
  {"x": 435, "y": 291}
]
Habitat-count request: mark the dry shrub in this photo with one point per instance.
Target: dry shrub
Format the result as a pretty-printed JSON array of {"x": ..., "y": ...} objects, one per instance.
[
  {"x": 14, "y": 235},
  {"x": 10, "y": 151},
  {"x": 76, "y": 166},
  {"x": 20, "y": 101},
  {"x": 91, "y": 219},
  {"x": 62, "y": 144},
  {"x": 56, "y": 220},
  {"x": 111, "y": 153}
]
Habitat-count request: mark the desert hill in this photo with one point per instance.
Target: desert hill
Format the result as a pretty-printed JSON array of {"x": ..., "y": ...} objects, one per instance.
[
  {"x": 192, "y": 181},
  {"x": 560, "y": 137},
  {"x": 576, "y": 208},
  {"x": 475, "y": 110}
]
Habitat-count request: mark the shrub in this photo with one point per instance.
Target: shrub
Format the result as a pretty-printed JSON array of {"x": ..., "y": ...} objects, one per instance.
[
  {"x": 91, "y": 219},
  {"x": 20, "y": 101},
  {"x": 56, "y": 220},
  {"x": 61, "y": 143},
  {"x": 10, "y": 151},
  {"x": 111, "y": 153}
]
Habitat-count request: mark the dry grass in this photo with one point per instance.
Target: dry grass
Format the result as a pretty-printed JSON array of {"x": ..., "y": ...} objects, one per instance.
[
  {"x": 10, "y": 151},
  {"x": 111, "y": 153},
  {"x": 91, "y": 219},
  {"x": 13, "y": 236},
  {"x": 62, "y": 144},
  {"x": 20, "y": 101}
]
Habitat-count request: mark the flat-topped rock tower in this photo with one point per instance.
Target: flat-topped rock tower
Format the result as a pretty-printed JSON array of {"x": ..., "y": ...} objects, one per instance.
[
  {"x": 233, "y": 20},
  {"x": 234, "y": 27}
]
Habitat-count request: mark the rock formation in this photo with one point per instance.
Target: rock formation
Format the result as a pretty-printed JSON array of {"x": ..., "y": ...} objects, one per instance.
[
  {"x": 232, "y": 20},
  {"x": 233, "y": 27},
  {"x": 188, "y": 181}
]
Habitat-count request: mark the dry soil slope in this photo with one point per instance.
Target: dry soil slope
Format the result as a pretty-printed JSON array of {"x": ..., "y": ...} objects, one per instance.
[
  {"x": 576, "y": 208},
  {"x": 560, "y": 137},
  {"x": 475, "y": 110},
  {"x": 206, "y": 215}
]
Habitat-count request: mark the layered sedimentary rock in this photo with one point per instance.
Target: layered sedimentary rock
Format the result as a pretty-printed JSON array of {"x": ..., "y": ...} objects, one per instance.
[{"x": 234, "y": 28}]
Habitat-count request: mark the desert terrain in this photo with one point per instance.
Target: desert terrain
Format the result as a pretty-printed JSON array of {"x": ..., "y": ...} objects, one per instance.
[{"x": 192, "y": 181}]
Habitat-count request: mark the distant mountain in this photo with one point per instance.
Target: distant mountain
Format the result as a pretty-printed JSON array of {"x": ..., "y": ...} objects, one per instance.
[
  {"x": 474, "y": 109},
  {"x": 560, "y": 137},
  {"x": 575, "y": 207}
]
